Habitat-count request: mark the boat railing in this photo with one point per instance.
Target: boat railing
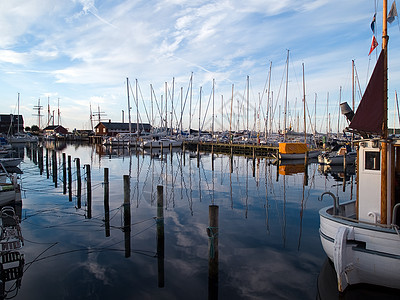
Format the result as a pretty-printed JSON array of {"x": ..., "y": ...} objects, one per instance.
[
  {"x": 394, "y": 215},
  {"x": 335, "y": 201}
]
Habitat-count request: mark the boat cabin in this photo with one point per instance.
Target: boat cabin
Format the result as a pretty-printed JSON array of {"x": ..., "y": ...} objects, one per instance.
[{"x": 369, "y": 204}]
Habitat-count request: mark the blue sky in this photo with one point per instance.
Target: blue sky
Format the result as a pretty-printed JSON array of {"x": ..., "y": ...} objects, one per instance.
[{"x": 82, "y": 51}]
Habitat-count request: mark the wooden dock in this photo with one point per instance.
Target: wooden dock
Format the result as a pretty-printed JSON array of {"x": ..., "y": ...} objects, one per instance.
[{"x": 226, "y": 148}]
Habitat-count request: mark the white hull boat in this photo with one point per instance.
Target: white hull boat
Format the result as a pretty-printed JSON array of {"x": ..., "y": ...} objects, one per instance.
[
  {"x": 164, "y": 143},
  {"x": 362, "y": 237},
  {"x": 337, "y": 158},
  {"x": 362, "y": 252}
]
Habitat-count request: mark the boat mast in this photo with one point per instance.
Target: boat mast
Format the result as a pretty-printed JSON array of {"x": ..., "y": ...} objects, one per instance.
[
  {"x": 287, "y": 80},
  {"x": 304, "y": 107},
  {"x": 18, "y": 116},
  {"x": 268, "y": 104},
  {"x": 384, "y": 171},
  {"x": 230, "y": 119},
  {"x": 137, "y": 108},
  {"x": 129, "y": 106},
  {"x": 199, "y": 111}
]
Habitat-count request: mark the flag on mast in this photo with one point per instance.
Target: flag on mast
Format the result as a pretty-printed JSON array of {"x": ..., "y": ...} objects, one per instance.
[
  {"x": 373, "y": 23},
  {"x": 392, "y": 13},
  {"x": 373, "y": 45}
]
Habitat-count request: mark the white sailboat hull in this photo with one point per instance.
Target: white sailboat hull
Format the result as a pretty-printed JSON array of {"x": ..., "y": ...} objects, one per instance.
[
  {"x": 165, "y": 143},
  {"x": 361, "y": 252},
  {"x": 335, "y": 159}
]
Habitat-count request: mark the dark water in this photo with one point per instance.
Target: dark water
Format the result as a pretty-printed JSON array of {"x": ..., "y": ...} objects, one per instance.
[{"x": 268, "y": 240}]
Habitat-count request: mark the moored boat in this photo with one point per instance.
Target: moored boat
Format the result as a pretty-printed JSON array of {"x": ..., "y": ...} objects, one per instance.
[
  {"x": 362, "y": 237},
  {"x": 293, "y": 150}
]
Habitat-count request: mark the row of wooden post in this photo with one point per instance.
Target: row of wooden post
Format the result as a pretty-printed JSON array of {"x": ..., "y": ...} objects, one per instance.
[{"x": 212, "y": 230}]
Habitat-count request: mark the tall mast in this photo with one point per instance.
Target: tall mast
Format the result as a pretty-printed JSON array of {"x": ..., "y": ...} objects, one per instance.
[
  {"x": 199, "y": 112},
  {"x": 190, "y": 103},
  {"x": 230, "y": 119},
  {"x": 384, "y": 171},
  {"x": 213, "y": 90},
  {"x": 18, "y": 116},
  {"x": 129, "y": 106},
  {"x": 222, "y": 113},
  {"x": 304, "y": 107},
  {"x": 352, "y": 83},
  {"x": 247, "y": 96},
  {"x": 137, "y": 108},
  {"x": 166, "y": 110},
  {"x": 287, "y": 80},
  {"x": 268, "y": 104}
]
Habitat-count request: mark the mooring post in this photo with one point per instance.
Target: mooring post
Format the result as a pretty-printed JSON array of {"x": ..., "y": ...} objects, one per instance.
[
  {"x": 34, "y": 153},
  {"x": 212, "y": 157},
  {"x": 198, "y": 155},
  {"x": 89, "y": 192},
  {"x": 212, "y": 232},
  {"x": 160, "y": 235},
  {"x": 106, "y": 202},
  {"x": 79, "y": 183},
  {"x": 254, "y": 161},
  {"x": 64, "y": 168},
  {"x": 306, "y": 169},
  {"x": 41, "y": 159},
  {"x": 47, "y": 163},
  {"x": 54, "y": 162},
  {"x": 183, "y": 153},
  {"x": 69, "y": 178},
  {"x": 127, "y": 215}
]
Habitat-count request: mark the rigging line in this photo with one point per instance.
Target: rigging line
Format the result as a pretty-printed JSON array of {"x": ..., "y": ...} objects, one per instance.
[
  {"x": 155, "y": 98},
  {"x": 205, "y": 114},
  {"x": 184, "y": 103},
  {"x": 145, "y": 109}
]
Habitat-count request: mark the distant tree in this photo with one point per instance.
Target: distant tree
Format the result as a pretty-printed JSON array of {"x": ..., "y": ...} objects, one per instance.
[
  {"x": 34, "y": 128},
  {"x": 27, "y": 128}
]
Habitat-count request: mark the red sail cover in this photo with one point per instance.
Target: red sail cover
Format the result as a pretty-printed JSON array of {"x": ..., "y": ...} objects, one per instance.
[{"x": 369, "y": 115}]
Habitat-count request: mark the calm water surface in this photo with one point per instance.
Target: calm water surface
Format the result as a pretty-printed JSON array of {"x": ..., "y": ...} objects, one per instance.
[{"x": 268, "y": 240}]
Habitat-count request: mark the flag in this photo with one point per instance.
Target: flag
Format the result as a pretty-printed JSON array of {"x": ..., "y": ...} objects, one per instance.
[
  {"x": 373, "y": 23},
  {"x": 373, "y": 45},
  {"x": 392, "y": 13}
]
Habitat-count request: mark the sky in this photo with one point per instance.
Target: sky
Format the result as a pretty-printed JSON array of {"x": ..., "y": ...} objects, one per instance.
[{"x": 76, "y": 55}]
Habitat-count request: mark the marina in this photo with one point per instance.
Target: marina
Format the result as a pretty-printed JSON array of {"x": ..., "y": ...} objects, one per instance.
[{"x": 103, "y": 234}]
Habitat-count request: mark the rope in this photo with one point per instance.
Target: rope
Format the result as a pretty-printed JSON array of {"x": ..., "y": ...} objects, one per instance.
[{"x": 212, "y": 236}]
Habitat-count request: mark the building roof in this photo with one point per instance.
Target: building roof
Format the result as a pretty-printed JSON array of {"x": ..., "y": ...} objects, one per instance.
[{"x": 124, "y": 126}]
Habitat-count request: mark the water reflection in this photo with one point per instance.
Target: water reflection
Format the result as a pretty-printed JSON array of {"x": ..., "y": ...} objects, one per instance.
[{"x": 134, "y": 246}]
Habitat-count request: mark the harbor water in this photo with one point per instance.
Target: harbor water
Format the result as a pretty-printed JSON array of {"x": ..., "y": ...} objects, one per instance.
[{"x": 228, "y": 228}]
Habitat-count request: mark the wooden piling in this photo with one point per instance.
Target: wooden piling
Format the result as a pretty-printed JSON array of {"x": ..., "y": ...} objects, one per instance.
[
  {"x": 160, "y": 235},
  {"x": 127, "y": 215},
  {"x": 41, "y": 159},
  {"x": 89, "y": 192},
  {"x": 47, "y": 163},
  {"x": 106, "y": 202},
  {"x": 54, "y": 164},
  {"x": 79, "y": 183},
  {"x": 212, "y": 157},
  {"x": 69, "y": 179},
  {"x": 64, "y": 168},
  {"x": 212, "y": 232}
]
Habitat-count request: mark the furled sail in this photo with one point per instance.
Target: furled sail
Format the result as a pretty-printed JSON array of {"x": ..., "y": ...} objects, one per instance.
[{"x": 368, "y": 118}]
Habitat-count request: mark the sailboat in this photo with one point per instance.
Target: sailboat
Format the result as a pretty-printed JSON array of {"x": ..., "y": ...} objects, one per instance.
[
  {"x": 21, "y": 137},
  {"x": 295, "y": 150},
  {"x": 362, "y": 237}
]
